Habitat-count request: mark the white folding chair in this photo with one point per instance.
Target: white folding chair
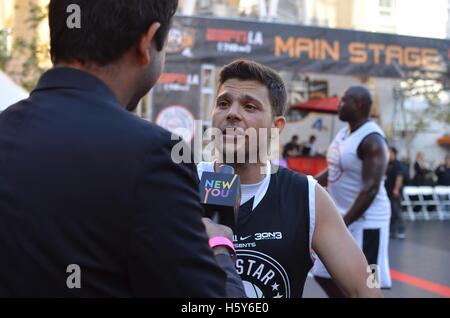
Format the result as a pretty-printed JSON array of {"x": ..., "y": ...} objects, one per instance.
[
  {"x": 428, "y": 199},
  {"x": 442, "y": 194},
  {"x": 408, "y": 192}
]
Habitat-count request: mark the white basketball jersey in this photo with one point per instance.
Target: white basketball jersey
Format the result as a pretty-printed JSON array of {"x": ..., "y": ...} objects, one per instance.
[{"x": 345, "y": 175}]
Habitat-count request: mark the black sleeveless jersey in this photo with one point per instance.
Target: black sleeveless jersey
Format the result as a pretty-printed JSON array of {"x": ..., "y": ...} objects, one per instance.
[{"x": 272, "y": 241}]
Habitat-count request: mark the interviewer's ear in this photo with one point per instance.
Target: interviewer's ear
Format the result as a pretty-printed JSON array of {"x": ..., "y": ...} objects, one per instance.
[{"x": 145, "y": 43}]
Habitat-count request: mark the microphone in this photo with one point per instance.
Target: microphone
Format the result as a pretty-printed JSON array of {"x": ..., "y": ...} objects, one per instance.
[{"x": 220, "y": 194}]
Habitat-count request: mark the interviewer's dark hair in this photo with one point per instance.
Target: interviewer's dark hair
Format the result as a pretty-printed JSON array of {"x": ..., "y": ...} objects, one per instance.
[
  {"x": 249, "y": 70},
  {"x": 108, "y": 28}
]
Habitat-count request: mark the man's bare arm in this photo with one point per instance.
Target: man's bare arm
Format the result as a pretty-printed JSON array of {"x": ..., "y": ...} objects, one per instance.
[
  {"x": 375, "y": 160},
  {"x": 322, "y": 178},
  {"x": 338, "y": 251}
]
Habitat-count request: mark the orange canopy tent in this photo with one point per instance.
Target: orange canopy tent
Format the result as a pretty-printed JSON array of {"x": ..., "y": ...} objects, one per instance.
[
  {"x": 327, "y": 105},
  {"x": 444, "y": 140}
]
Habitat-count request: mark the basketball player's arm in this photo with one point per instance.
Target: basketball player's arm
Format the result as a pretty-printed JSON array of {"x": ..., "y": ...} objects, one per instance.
[
  {"x": 374, "y": 155},
  {"x": 322, "y": 178},
  {"x": 338, "y": 251}
]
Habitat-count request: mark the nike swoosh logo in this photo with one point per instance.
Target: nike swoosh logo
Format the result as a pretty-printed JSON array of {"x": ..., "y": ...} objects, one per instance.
[{"x": 246, "y": 238}]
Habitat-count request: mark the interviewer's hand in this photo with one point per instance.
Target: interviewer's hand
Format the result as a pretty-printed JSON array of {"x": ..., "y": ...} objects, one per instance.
[{"x": 214, "y": 230}]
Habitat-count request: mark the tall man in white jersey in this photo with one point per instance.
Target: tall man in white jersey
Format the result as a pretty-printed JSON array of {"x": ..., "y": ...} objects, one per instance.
[
  {"x": 357, "y": 161},
  {"x": 283, "y": 214}
]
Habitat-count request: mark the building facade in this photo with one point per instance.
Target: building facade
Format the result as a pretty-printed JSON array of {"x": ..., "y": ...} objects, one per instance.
[{"x": 405, "y": 17}]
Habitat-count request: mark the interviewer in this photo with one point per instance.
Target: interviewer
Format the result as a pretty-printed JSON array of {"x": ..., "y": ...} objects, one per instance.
[{"x": 85, "y": 182}]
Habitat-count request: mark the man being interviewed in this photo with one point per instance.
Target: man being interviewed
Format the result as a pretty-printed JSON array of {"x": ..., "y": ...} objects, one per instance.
[{"x": 283, "y": 215}]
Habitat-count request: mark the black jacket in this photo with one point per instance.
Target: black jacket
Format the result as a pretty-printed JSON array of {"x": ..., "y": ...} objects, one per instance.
[{"x": 83, "y": 181}]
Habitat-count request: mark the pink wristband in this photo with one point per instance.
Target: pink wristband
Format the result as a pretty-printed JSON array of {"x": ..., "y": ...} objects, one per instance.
[{"x": 223, "y": 241}]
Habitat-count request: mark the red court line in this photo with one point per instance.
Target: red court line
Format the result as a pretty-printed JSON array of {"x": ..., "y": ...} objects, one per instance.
[{"x": 421, "y": 283}]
